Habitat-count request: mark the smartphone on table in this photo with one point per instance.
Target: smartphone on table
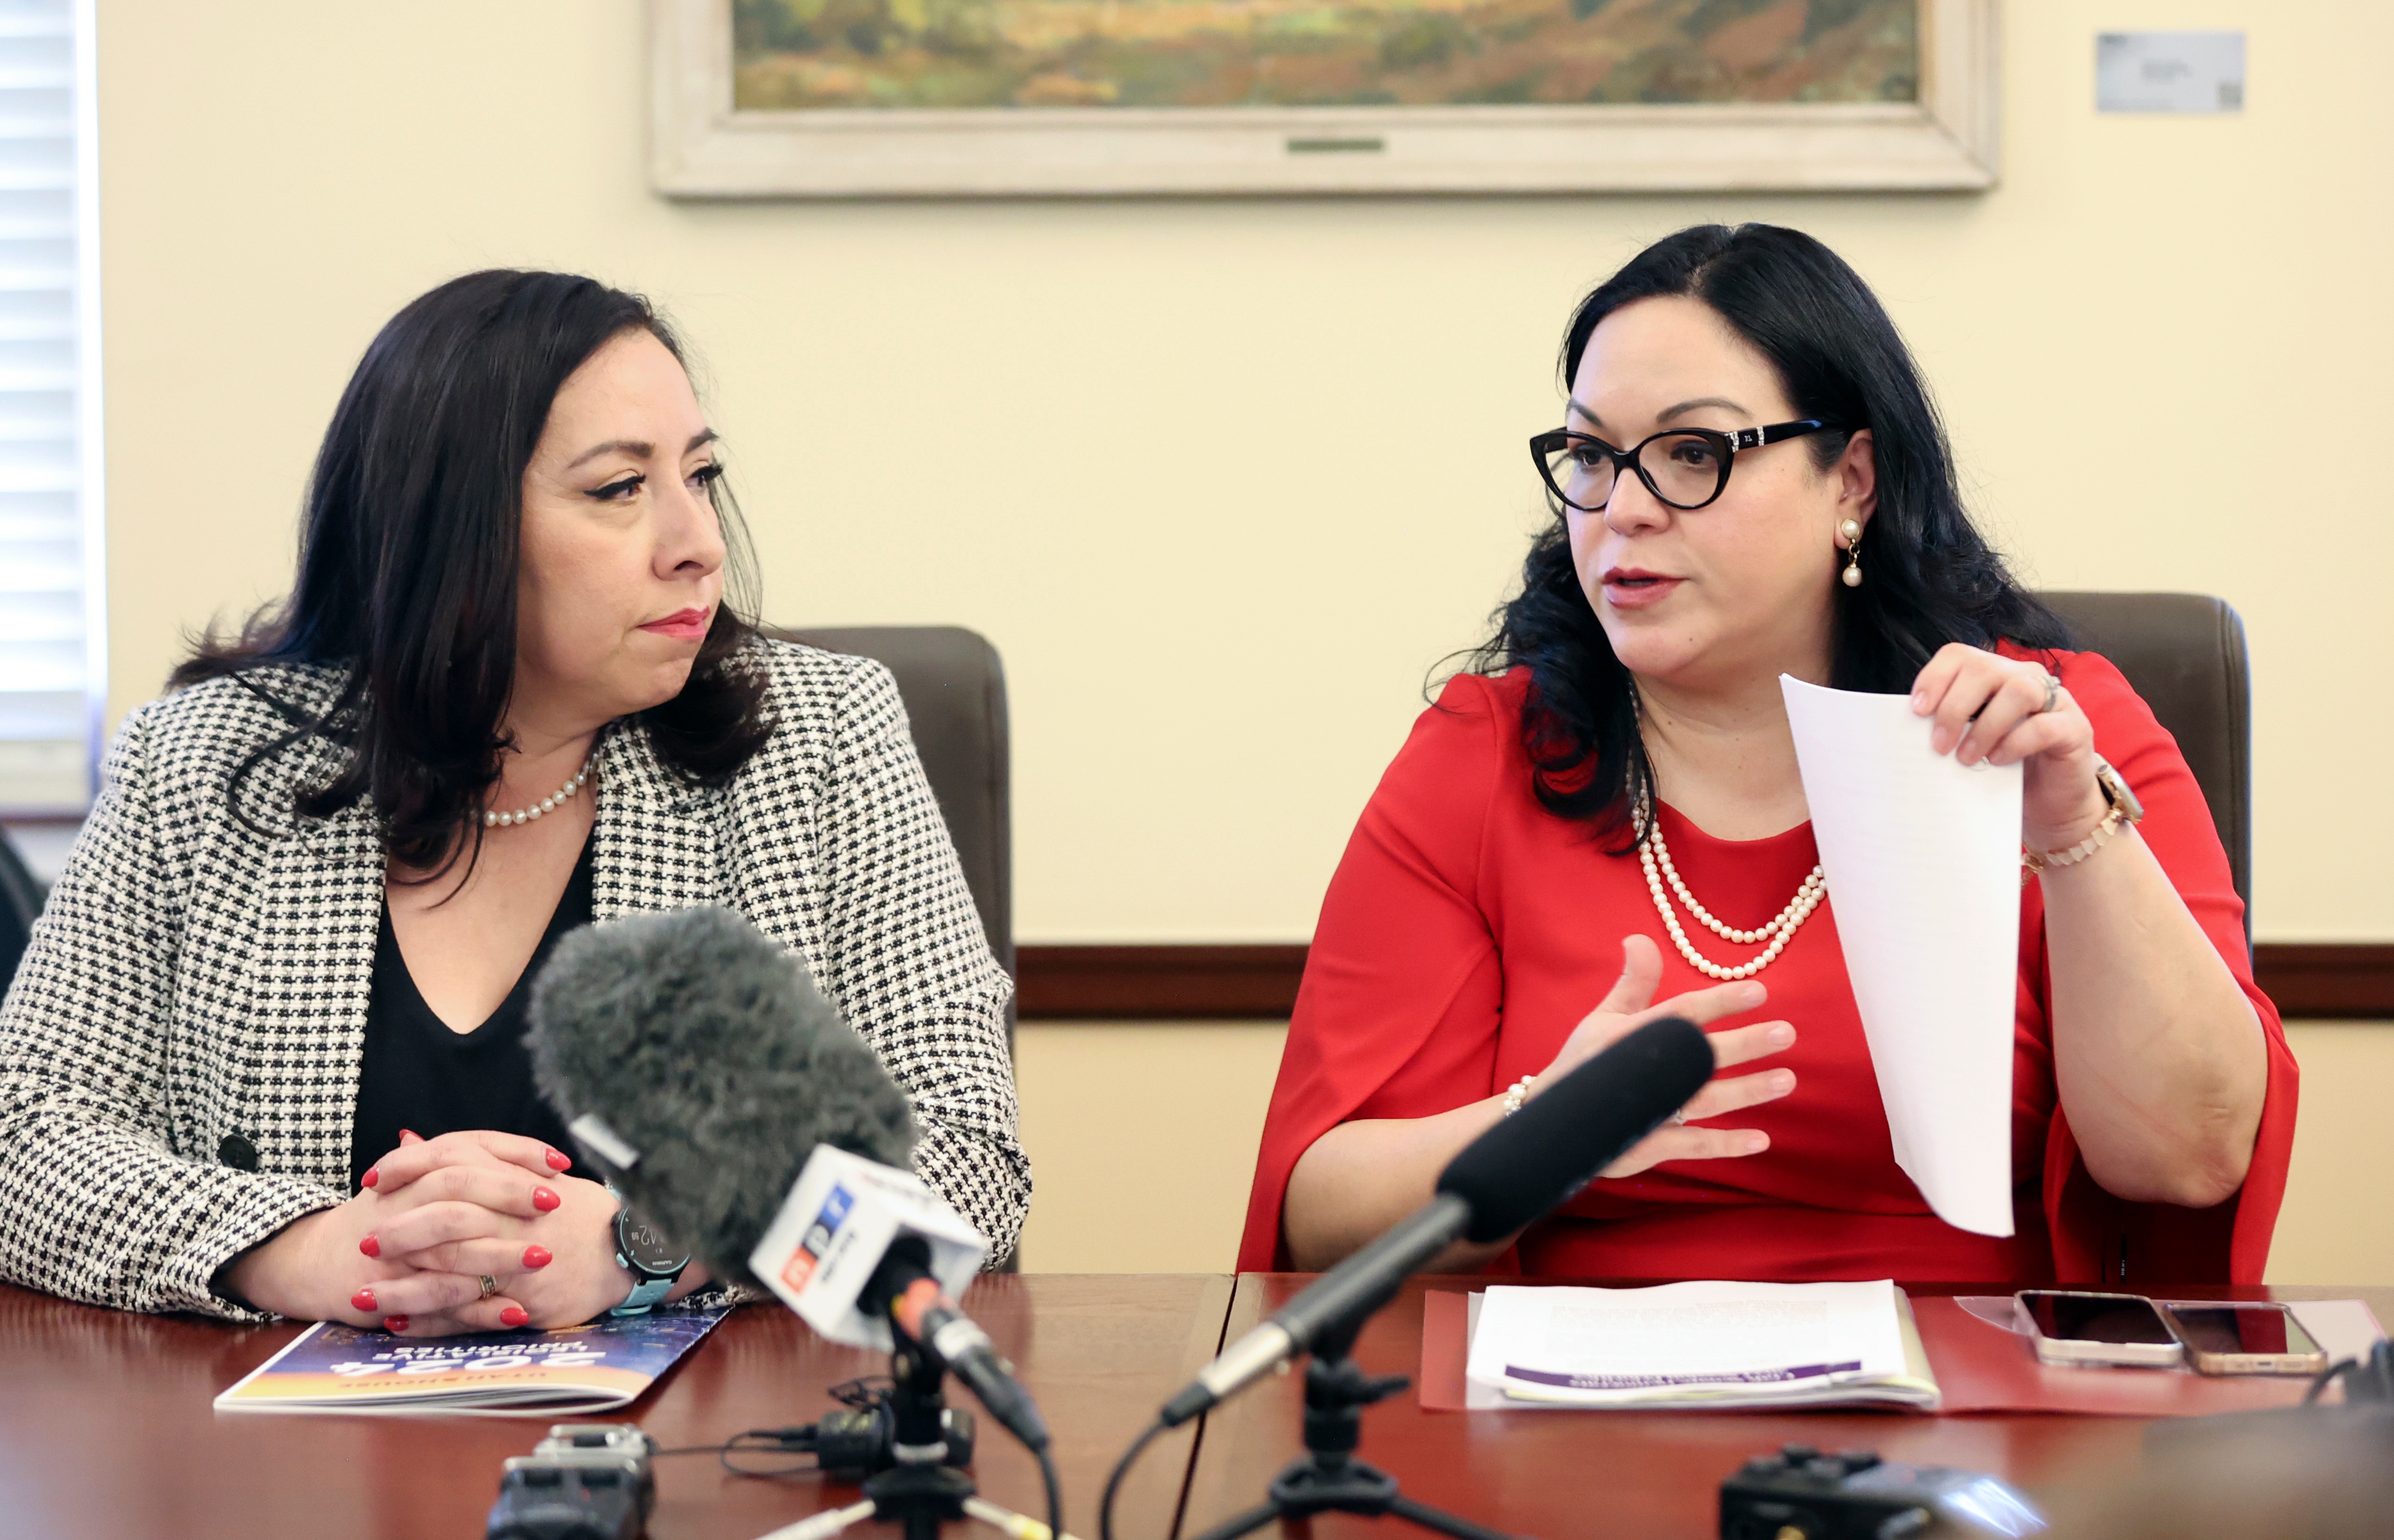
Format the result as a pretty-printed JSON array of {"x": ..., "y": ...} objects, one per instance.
[
  {"x": 2242, "y": 1338},
  {"x": 2073, "y": 1327}
]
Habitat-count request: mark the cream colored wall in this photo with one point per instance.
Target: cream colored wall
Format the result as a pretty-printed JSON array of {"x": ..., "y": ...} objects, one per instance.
[
  {"x": 1143, "y": 1137},
  {"x": 2338, "y": 1225},
  {"x": 1222, "y": 479}
]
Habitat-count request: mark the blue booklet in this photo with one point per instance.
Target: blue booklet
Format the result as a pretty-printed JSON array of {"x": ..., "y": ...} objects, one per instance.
[{"x": 573, "y": 1369}]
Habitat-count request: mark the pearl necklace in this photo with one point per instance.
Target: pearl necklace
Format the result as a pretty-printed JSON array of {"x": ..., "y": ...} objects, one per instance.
[
  {"x": 1654, "y": 855},
  {"x": 547, "y": 804}
]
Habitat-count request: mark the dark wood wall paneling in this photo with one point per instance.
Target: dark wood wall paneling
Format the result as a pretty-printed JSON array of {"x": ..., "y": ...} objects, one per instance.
[{"x": 1197, "y": 983}]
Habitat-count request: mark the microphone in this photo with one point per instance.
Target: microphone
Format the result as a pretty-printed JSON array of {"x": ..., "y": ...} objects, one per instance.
[
  {"x": 1515, "y": 1173},
  {"x": 703, "y": 1072},
  {"x": 922, "y": 1309}
]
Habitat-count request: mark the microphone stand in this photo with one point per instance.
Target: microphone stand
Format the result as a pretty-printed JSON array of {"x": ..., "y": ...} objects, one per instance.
[
  {"x": 921, "y": 1491},
  {"x": 1328, "y": 1478}
]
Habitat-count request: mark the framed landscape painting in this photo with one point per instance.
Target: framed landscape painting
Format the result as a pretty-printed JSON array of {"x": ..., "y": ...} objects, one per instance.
[{"x": 965, "y": 98}]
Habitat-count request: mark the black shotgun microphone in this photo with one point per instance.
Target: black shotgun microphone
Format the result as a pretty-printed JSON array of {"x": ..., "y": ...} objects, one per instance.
[
  {"x": 697, "y": 1065},
  {"x": 1517, "y": 1172}
]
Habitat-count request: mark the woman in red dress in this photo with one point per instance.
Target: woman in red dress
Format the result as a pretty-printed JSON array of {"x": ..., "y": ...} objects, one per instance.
[{"x": 1607, "y": 815}]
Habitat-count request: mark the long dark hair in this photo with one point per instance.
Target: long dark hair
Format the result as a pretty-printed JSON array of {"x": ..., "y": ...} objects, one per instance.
[
  {"x": 408, "y": 556},
  {"x": 1932, "y": 578}
]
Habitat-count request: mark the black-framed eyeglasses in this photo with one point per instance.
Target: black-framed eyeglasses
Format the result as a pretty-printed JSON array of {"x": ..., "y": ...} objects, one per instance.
[{"x": 1685, "y": 468}]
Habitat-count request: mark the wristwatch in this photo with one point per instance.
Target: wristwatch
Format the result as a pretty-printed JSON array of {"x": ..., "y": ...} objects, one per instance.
[
  {"x": 2122, "y": 807},
  {"x": 641, "y": 1249}
]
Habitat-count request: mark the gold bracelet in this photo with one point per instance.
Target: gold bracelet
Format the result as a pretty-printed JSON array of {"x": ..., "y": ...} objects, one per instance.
[{"x": 2037, "y": 860}]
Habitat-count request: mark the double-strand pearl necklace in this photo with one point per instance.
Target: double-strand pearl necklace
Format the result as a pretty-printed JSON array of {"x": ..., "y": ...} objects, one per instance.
[
  {"x": 547, "y": 804},
  {"x": 1654, "y": 855}
]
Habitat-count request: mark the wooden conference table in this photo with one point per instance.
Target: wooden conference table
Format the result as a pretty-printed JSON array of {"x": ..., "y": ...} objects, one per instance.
[{"x": 106, "y": 1430}]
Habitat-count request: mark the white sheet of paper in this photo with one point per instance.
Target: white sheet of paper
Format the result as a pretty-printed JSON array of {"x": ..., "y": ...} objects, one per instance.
[
  {"x": 1707, "y": 1343},
  {"x": 1922, "y": 857}
]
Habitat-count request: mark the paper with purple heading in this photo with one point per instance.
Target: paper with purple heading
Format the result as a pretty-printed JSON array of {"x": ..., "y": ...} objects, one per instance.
[
  {"x": 1704, "y": 1344},
  {"x": 1922, "y": 857}
]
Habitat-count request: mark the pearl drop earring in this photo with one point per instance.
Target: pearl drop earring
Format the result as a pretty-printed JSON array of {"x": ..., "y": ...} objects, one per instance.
[{"x": 1853, "y": 534}]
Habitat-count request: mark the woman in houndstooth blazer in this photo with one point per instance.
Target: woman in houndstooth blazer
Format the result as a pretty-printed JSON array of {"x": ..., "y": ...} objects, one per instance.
[{"x": 511, "y": 570}]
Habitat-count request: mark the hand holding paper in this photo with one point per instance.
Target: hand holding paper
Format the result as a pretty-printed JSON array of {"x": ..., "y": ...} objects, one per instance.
[{"x": 1922, "y": 856}]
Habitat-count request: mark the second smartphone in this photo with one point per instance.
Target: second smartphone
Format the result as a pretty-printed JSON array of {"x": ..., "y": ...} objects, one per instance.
[{"x": 2242, "y": 1338}]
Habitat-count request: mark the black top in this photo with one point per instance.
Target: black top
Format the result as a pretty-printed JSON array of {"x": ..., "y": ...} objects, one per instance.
[{"x": 417, "y": 1074}]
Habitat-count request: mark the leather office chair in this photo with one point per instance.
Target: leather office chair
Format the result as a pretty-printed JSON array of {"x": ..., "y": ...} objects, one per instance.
[
  {"x": 21, "y": 900},
  {"x": 2185, "y": 654},
  {"x": 955, "y": 690}
]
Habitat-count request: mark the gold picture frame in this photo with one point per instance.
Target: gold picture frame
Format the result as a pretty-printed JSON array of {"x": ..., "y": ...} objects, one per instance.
[{"x": 701, "y": 146}]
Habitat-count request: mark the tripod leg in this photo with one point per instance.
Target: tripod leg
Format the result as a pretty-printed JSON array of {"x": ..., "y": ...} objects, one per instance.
[
  {"x": 1013, "y": 1525},
  {"x": 823, "y": 1525},
  {"x": 1444, "y": 1522},
  {"x": 1231, "y": 1528}
]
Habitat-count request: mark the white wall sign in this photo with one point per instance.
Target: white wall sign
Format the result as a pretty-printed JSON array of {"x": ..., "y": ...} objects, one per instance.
[{"x": 2169, "y": 73}]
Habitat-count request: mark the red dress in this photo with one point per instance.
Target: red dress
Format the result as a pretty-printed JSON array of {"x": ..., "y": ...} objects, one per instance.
[{"x": 1467, "y": 931}]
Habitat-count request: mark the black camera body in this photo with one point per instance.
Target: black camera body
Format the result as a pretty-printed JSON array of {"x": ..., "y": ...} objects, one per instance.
[
  {"x": 585, "y": 1482},
  {"x": 1800, "y": 1493},
  {"x": 858, "y": 1441}
]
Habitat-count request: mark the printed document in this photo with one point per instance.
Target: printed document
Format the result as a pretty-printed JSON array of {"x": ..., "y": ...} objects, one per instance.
[{"x": 1698, "y": 1344}]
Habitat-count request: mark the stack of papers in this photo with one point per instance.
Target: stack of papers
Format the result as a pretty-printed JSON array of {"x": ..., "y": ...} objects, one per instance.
[{"x": 1704, "y": 1344}]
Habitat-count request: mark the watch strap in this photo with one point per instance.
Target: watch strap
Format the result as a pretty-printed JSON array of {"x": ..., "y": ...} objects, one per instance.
[{"x": 644, "y": 1295}]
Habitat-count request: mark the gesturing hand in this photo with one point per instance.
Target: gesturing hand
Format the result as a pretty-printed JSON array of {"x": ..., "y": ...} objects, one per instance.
[
  {"x": 1991, "y": 709},
  {"x": 1626, "y": 1008}
]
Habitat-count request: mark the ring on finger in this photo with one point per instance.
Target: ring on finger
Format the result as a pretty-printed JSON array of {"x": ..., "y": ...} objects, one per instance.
[
  {"x": 2052, "y": 694},
  {"x": 1679, "y": 1118},
  {"x": 490, "y": 1287}
]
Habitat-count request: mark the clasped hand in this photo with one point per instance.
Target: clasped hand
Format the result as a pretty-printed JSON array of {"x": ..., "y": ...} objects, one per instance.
[{"x": 409, "y": 1252}]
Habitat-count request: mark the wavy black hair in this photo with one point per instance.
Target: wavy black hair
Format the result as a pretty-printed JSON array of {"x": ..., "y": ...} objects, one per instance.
[
  {"x": 1933, "y": 578},
  {"x": 408, "y": 555}
]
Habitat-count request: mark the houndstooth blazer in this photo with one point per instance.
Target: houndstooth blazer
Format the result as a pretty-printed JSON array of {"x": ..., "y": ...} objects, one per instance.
[{"x": 178, "y": 1053}]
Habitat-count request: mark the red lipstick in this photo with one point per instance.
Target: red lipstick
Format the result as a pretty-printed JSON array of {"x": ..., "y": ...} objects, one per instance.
[{"x": 686, "y": 625}]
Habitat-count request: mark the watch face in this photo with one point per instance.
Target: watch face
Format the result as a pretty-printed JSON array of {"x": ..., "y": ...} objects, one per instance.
[
  {"x": 646, "y": 1245},
  {"x": 2115, "y": 791}
]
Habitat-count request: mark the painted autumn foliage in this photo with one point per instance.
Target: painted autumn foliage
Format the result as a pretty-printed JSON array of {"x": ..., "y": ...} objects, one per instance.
[{"x": 930, "y": 54}]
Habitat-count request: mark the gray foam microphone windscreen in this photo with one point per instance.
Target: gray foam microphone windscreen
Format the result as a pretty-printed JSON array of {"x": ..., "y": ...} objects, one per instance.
[{"x": 705, "y": 1046}]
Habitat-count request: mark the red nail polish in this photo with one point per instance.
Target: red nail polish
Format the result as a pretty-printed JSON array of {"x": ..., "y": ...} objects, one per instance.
[
  {"x": 544, "y": 1200},
  {"x": 537, "y": 1257},
  {"x": 371, "y": 1178},
  {"x": 394, "y": 1324},
  {"x": 362, "y": 1302},
  {"x": 405, "y": 1134},
  {"x": 559, "y": 1162},
  {"x": 514, "y": 1315},
  {"x": 371, "y": 1246}
]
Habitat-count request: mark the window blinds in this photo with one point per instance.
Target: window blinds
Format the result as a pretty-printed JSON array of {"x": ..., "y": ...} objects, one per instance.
[{"x": 50, "y": 659}]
